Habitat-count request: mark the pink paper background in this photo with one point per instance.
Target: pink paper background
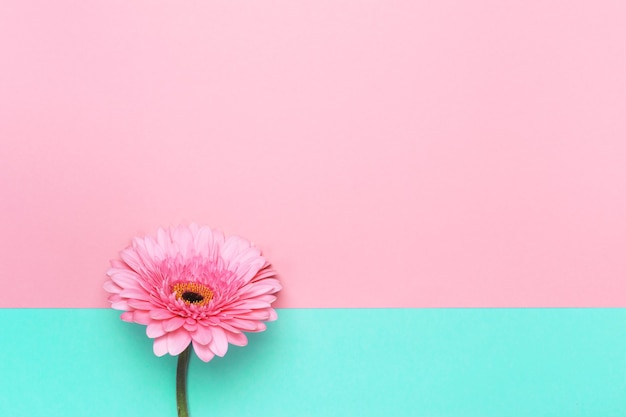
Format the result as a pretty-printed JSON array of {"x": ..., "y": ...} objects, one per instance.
[{"x": 382, "y": 153}]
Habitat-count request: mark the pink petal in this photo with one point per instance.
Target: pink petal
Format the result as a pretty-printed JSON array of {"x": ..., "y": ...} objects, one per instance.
[
  {"x": 272, "y": 282},
  {"x": 146, "y": 258},
  {"x": 184, "y": 240},
  {"x": 110, "y": 286},
  {"x": 115, "y": 297},
  {"x": 253, "y": 290},
  {"x": 202, "y": 335},
  {"x": 202, "y": 241},
  {"x": 242, "y": 258},
  {"x": 251, "y": 304},
  {"x": 260, "y": 326},
  {"x": 163, "y": 239},
  {"x": 172, "y": 324},
  {"x": 245, "y": 325},
  {"x": 136, "y": 294},
  {"x": 127, "y": 316},
  {"x": 140, "y": 304},
  {"x": 159, "y": 347},
  {"x": 226, "y": 326},
  {"x": 132, "y": 259},
  {"x": 247, "y": 270},
  {"x": 216, "y": 245},
  {"x": 254, "y": 315},
  {"x": 265, "y": 273},
  {"x": 219, "y": 344},
  {"x": 250, "y": 255},
  {"x": 120, "y": 305},
  {"x": 268, "y": 298},
  {"x": 177, "y": 341},
  {"x": 233, "y": 246},
  {"x": 155, "y": 329},
  {"x": 117, "y": 264},
  {"x": 141, "y": 317},
  {"x": 213, "y": 321},
  {"x": 161, "y": 314},
  {"x": 190, "y": 327},
  {"x": 126, "y": 279},
  {"x": 203, "y": 352},
  {"x": 237, "y": 339},
  {"x": 154, "y": 250}
]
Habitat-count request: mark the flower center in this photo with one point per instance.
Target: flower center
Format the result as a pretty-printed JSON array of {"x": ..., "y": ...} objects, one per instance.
[{"x": 193, "y": 293}]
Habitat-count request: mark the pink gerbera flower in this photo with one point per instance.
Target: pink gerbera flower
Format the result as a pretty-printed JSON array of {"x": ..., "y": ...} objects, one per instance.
[{"x": 190, "y": 284}]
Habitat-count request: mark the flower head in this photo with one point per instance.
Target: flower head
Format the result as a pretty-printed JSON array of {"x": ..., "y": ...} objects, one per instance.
[{"x": 190, "y": 284}]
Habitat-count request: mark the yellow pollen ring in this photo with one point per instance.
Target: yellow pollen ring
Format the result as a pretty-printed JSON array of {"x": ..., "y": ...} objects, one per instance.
[{"x": 193, "y": 293}]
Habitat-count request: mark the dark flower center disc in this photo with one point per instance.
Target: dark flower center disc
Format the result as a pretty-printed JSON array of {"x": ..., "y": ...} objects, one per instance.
[
  {"x": 192, "y": 293},
  {"x": 192, "y": 297}
]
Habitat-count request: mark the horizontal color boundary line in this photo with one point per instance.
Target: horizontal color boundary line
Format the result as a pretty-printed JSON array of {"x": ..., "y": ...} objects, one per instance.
[{"x": 326, "y": 362}]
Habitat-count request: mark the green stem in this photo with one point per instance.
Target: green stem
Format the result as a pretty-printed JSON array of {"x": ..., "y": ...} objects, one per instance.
[{"x": 181, "y": 382}]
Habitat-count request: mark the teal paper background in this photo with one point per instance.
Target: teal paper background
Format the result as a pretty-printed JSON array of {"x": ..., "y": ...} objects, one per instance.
[{"x": 326, "y": 362}]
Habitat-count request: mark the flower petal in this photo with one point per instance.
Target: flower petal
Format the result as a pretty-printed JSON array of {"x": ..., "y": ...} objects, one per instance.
[
  {"x": 177, "y": 341},
  {"x": 203, "y": 351},
  {"x": 253, "y": 315},
  {"x": 202, "y": 335},
  {"x": 233, "y": 246},
  {"x": 265, "y": 272},
  {"x": 226, "y": 326},
  {"x": 219, "y": 344},
  {"x": 247, "y": 270},
  {"x": 147, "y": 258},
  {"x": 155, "y": 329},
  {"x": 183, "y": 238},
  {"x": 141, "y": 317},
  {"x": 215, "y": 246},
  {"x": 132, "y": 259},
  {"x": 154, "y": 249},
  {"x": 120, "y": 305},
  {"x": 172, "y": 324},
  {"x": 110, "y": 286},
  {"x": 237, "y": 339},
  {"x": 161, "y": 314},
  {"x": 255, "y": 289},
  {"x": 159, "y": 347},
  {"x": 125, "y": 278},
  {"x": 164, "y": 241},
  {"x": 202, "y": 241},
  {"x": 251, "y": 304},
  {"x": 190, "y": 327},
  {"x": 245, "y": 325},
  {"x": 140, "y": 304},
  {"x": 136, "y": 294}
]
